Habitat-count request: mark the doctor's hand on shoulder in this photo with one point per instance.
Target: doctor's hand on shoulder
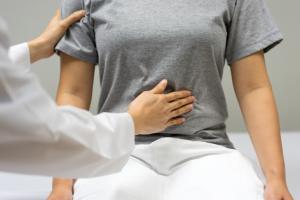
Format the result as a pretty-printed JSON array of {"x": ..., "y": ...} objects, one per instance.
[{"x": 43, "y": 46}]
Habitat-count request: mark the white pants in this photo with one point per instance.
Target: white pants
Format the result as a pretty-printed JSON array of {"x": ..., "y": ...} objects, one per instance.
[{"x": 214, "y": 173}]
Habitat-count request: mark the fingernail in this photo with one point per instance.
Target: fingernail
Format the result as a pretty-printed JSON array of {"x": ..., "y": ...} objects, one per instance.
[{"x": 164, "y": 81}]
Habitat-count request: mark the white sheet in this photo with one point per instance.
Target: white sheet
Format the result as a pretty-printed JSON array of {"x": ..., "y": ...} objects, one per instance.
[{"x": 22, "y": 187}]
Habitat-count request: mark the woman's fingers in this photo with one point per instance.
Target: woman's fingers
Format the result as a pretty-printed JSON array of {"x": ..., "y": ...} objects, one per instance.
[
  {"x": 181, "y": 102},
  {"x": 177, "y": 95},
  {"x": 182, "y": 110}
]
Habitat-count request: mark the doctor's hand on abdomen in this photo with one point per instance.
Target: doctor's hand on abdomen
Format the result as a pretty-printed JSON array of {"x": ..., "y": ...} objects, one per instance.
[{"x": 154, "y": 111}]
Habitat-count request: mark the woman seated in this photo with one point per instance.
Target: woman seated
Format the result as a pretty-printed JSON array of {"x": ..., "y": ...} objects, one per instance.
[{"x": 138, "y": 43}]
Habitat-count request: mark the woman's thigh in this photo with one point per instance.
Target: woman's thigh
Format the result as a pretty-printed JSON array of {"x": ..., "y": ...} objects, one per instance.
[
  {"x": 229, "y": 176},
  {"x": 135, "y": 182}
]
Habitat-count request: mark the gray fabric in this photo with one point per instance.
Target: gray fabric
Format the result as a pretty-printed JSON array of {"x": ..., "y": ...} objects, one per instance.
[{"x": 138, "y": 43}]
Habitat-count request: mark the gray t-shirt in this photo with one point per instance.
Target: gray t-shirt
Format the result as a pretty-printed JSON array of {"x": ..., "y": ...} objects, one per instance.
[{"x": 138, "y": 43}]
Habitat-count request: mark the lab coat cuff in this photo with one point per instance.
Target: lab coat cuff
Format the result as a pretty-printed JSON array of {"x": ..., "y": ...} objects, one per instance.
[
  {"x": 126, "y": 121},
  {"x": 131, "y": 125},
  {"x": 124, "y": 130},
  {"x": 20, "y": 55}
]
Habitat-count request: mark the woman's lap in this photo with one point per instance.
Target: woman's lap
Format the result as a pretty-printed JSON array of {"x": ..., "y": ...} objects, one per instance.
[
  {"x": 215, "y": 177},
  {"x": 222, "y": 176}
]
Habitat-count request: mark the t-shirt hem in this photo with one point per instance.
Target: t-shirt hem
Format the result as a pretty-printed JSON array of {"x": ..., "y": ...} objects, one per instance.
[
  {"x": 267, "y": 43},
  {"x": 140, "y": 139}
]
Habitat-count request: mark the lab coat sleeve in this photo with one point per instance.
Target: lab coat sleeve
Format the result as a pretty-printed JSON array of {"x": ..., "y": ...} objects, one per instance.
[
  {"x": 37, "y": 137},
  {"x": 20, "y": 55}
]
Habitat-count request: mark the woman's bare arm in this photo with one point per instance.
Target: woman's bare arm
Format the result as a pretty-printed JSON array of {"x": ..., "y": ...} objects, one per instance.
[
  {"x": 254, "y": 93},
  {"x": 76, "y": 82},
  {"x": 75, "y": 88}
]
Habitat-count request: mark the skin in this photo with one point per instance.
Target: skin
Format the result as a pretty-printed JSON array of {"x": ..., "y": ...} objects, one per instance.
[
  {"x": 254, "y": 93},
  {"x": 251, "y": 84}
]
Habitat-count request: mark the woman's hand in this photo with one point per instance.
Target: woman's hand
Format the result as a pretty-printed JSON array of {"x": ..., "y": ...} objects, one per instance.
[
  {"x": 154, "y": 111},
  {"x": 277, "y": 190},
  {"x": 43, "y": 46}
]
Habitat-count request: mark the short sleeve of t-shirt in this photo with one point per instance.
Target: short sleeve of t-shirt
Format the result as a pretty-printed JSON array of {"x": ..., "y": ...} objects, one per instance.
[
  {"x": 251, "y": 29},
  {"x": 79, "y": 40}
]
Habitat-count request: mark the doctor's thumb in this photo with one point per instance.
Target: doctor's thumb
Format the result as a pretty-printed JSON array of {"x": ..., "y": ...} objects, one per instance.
[{"x": 160, "y": 87}]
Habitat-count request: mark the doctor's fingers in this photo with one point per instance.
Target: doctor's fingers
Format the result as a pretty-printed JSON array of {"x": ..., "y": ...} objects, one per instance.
[
  {"x": 181, "y": 102},
  {"x": 175, "y": 121},
  {"x": 160, "y": 87},
  {"x": 172, "y": 96},
  {"x": 180, "y": 111},
  {"x": 74, "y": 17}
]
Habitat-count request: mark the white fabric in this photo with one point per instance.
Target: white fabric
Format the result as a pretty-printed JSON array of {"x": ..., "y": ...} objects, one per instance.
[
  {"x": 216, "y": 173},
  {"x": 37, "y": 137},
  {"x": 166, "y": 154},
  {"x": 24, "y": 187},
  {"x": 20, "y": 55}
]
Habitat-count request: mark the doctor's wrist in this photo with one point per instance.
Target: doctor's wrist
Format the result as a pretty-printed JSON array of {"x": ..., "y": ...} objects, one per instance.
[
  {"x": 39, "y": 49},
  {"x": 136, "y": 122}
]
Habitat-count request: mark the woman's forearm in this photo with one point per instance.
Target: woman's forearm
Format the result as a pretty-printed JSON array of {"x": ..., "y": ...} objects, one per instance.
[
  {"x": 60, "y": 183},
  {"x": 254, "y": 92},
  {"x": 71, "y": 99},
  {"x": 73, "y": 92},
  {"x": 262, "y": 121}
]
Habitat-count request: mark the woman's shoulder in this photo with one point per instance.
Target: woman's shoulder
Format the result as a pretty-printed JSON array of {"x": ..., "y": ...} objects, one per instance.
[{"x": 70, "y": 6}]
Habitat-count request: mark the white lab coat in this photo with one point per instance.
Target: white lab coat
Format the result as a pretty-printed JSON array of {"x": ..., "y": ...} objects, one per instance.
[{"x": 37, "y": 137}]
